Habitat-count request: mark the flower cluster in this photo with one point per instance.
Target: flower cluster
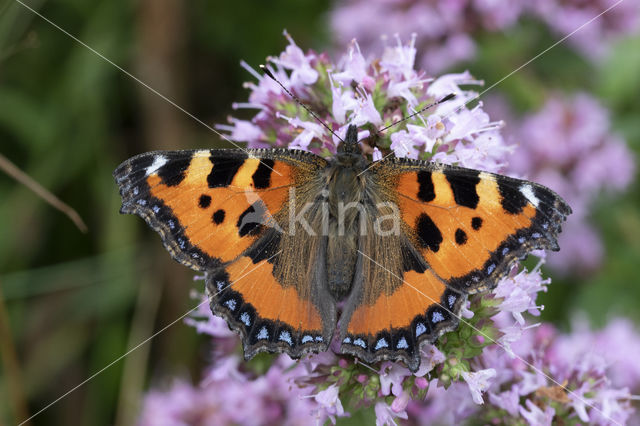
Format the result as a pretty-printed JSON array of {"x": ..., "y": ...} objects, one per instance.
[
  {"x": 445, "y": 29},
  {"x": 568, "y": 146},
  {"x": 233, "y": 392},
  {"x": 488, "y": 366},
  {"x": 533, "y": 373},
  {"x": 371, "y": 95},
  {"x": 584, "y": 376},
  {"x": 230, "y": 395}
]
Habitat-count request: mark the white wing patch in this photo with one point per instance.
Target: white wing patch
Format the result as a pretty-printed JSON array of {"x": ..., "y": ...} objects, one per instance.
[
  {"x": 158, "y": 162},
  {"x": 527, "y": 191}
]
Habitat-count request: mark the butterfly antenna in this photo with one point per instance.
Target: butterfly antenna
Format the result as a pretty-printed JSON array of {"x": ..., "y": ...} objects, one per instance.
[
  {"x": 445, "y": 99},
  {"x": 299, "y": 102}
]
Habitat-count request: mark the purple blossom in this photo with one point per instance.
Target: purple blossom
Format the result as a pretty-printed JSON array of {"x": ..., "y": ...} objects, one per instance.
[
  {"x": 391, "y": 377},
  {"x": 309, "y": 131},
  {"x": 452, "y": 405},
  {"x": 385, "y": 414},
  {"x": 400, "y": 403},
  {"x": 366, "y": 112},
  {"x": 478, "y": 382},
  {"x": 242, "y": 131},
  {"x": 508, "y": 400},
  {"x": 430, "y": 357},
  {"x": 535, "y": 416},
  {"x": 518, "y": 293},
  {"x": 294, "y": 59},
  {"x": 205, "y": 322},
  {"x": 355, "y": 68},
  {"x": 449, "y": 132},
  {"x": 550, "y": 370},
  {"x": 328, "y": 399},
  {"x": 402, "y": 144},
  {"x": 232, "y": 398},
  {"x": 376, "y": 155}
]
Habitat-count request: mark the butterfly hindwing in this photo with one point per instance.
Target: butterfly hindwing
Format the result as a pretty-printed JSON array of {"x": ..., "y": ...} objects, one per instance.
[
  {"x": 389, "y": 322},
  {"x": 268, "y": 314},
  {"x": 218, "y": 211}
]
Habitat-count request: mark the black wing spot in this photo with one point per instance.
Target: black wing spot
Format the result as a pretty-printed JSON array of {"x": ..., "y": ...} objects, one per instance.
[
  {"x": 513, "y": 201},
  {"x": 426, "y": 191},
  {"x": 204, "y": 201},
  {"x": 262, "y": 176},
  {"x": 461, "y": 237},
  {"x": 224, "y": 170},
  {"x": 266, "y": 248},
  {"x": 218, "y": 216},
  {"x": 476, "y": 223},
  {"x": 250, "y": 221},
  {"x": 410, "y": 261},
  {"x": 172, "y": 173},
  {"x": 429, "y": 234},
  {"x": 464, "y": 187}
]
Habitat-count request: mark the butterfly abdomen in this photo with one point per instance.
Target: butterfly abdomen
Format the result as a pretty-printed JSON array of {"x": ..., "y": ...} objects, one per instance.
[{"x": 345, "y": 192}]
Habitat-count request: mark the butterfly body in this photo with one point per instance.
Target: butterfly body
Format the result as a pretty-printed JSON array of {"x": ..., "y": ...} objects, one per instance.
[
  {"x": 298, "y": 250},
  {"x": 345, "y": 187}
]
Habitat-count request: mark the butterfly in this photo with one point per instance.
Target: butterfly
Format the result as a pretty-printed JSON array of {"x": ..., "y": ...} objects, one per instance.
[{"x": 298, "y": 250}]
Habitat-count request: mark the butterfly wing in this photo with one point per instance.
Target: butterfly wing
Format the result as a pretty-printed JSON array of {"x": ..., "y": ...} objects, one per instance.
[
  {"x": 218, "y": 211},
  {"x": 471, "y": 226},
  {"x": 460, "y": 232}
]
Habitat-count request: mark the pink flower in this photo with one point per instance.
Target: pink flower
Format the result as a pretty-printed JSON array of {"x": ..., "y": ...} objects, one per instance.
[
  {"x": 508, "y": 400},
  {"x": 400, "y": 403},
  {"x": 294, "y": 59},
  {"x": 377, "y": 155},
  {"x": 430, "y": 356},
  {"x": 478, "y": 382},
  {"x": 355, "y": 68},
  {"x": 535, "y": 416},
  {"x": 385, "y": 415},
  {"x": 330, "y": 403},
  {"x": 519, "y": 293},
  {"x": 391, "y": 378}
]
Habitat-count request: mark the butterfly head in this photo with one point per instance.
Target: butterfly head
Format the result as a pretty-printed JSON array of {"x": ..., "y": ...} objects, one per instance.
[
  {"x": 349, "y": 150},
  {"x": 350, "y": 143}
]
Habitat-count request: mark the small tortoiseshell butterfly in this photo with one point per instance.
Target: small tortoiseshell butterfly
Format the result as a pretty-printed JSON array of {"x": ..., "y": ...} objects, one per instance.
[{"x": 296, "y": 248}]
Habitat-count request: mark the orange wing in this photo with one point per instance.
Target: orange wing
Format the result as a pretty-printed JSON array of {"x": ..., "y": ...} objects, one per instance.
[
  {"x": 269, "y": 315},
  {"x": 471, "y": 226},
  {"x": 210, "y": 205},
  {"x": 462, "y": 230},
  {"x": 214, "y": 210}
]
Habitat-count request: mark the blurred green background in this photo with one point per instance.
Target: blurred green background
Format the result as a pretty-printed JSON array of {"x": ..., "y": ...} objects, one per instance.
[{"x": 73, "y": 302}]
